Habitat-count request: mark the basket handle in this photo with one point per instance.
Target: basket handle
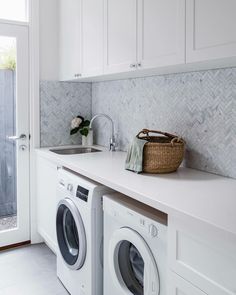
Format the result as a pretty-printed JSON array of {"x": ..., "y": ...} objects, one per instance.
[{"x": 174, "y": 138}]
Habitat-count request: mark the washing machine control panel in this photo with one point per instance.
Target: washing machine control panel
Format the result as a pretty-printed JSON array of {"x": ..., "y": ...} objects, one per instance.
[{"x": 82, "y": 193}]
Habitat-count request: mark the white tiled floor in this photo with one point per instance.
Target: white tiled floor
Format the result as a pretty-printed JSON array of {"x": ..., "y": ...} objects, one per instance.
[{"x": 29, "y": 270}]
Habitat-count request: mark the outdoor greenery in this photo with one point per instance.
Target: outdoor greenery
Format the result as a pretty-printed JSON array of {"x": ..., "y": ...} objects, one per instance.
[{"x": 8, "y": 59}]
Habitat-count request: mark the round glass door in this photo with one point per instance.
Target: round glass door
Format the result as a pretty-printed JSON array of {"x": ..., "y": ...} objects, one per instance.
[
  {"x": 132, "y": 264},
  {"x": 70, "y": 234},
  {"x": 131, "y": 267}
]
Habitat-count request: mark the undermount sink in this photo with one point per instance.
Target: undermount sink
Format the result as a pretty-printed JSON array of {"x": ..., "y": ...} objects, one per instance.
[{"x": 74, "y": 151}]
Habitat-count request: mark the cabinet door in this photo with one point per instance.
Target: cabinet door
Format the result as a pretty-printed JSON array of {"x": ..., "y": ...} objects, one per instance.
[
  {"x": 92, "y": 37},
  {"x": 161, "y": 33},
  {"x": 47, "y": 201},
  {"x": 198, "y": 252},
  {"x": 178, "y": 286},
  {"x": 70, "y": 39},
  {"x": 120, "y": 52},
  {"x": 211, "y": 30}
]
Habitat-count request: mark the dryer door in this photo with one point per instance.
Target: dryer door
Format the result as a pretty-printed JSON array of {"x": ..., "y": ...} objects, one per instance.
[
  {"x": 70, "y": 234},
  {"x": 133, "y": 267}
]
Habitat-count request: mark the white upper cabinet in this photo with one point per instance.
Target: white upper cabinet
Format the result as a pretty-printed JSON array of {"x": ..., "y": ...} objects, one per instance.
[
  {"x": 134, "y": 38},
  {"x": 211, "y": 29},
  {"x": 120, "y": 27},
  {"x": 92, "y": 37},
  {"x": 143, "y": 34},
  {"x": 161, "y": 33},
  {"x": 70, "y": 39}
]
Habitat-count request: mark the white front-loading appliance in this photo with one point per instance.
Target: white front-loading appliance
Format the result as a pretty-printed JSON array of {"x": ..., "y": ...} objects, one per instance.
[
  {"x": 135, "y": 247},
  {"x": 79, "y": 227}
]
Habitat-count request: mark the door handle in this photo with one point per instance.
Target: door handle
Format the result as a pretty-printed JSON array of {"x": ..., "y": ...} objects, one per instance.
[{"x": 15, "y": 138}]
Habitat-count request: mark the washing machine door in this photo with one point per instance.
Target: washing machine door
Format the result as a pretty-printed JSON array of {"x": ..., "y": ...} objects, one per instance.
[
  {"x": 70, "y": 234},
  {"x": 132, "y": 265}
]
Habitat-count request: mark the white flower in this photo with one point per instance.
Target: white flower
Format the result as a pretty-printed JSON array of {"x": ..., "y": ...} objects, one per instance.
[{"x": 75, "y": 123}]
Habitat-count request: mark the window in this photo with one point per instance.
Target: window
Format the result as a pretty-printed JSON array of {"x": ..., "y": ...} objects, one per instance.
[
  {"x": 15, "y": 10},
  {"x": 7, "y": 53}
]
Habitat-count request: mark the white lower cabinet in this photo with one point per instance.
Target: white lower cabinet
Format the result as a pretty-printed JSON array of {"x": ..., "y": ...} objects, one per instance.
[
  {"x": 203, "y": 255},
  {"x": 178, "y": 286},
  {"x": 47, "y": 201}
]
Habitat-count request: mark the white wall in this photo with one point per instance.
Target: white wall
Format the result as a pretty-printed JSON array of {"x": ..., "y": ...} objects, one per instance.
[{"x": 48, "y": 25}]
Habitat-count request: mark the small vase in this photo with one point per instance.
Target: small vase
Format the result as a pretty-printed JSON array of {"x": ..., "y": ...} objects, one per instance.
[
  {"x": 84, "y": 140},
  {"x": 88, "y": 140}
]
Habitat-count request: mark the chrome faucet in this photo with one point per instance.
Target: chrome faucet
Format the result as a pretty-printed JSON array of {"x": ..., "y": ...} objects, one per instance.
[{"x": 112, "y": 144}]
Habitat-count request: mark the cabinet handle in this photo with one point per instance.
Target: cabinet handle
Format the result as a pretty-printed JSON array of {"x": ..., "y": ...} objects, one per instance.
[
  {"x": 132, "y": 66},
  {"x": 139, "y": 65}
]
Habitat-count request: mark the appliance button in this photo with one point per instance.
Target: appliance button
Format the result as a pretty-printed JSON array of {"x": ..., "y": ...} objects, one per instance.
[
  {"x": 153, "y": 230},
  {"x": 61, "y": 182},
  {"x": 142, "y": 221}
]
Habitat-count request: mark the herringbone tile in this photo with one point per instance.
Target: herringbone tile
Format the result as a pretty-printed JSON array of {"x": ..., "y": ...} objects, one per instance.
[
  {"x": 59, "y": 103},
  {"x": 200, "y": 106}
]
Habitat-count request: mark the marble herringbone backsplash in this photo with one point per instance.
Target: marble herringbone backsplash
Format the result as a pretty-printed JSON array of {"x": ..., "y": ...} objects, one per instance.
[
  {"x": 199, "y": 106},
  {"x": 59, "y": 103}
]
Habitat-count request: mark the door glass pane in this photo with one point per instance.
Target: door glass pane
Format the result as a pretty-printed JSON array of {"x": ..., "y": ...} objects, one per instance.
[
  {"x": 8, "y": 198},
  {"x": 71, "y": 233},
  {"x": 67, "y": 235},
  {"x": 16, "y": 10},
  {"x": 131, "y": 266}
]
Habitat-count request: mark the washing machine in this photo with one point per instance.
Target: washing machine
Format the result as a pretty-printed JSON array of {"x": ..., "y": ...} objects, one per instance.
[
  {"x": 135, "y": 247},
  {"x": 79, "y": 228}
]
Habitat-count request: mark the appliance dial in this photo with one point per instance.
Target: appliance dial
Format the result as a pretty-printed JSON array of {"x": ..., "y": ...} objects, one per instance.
[
  {"x": 153, "y": 230},
  {"x": 70, "y": 187}
]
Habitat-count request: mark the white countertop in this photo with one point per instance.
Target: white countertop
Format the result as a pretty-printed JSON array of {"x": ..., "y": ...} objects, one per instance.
[{"x": 201, "y": 195}]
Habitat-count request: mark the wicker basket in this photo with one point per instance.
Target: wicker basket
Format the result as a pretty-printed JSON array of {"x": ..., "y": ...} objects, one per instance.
[{"x": 162, "y": 154}]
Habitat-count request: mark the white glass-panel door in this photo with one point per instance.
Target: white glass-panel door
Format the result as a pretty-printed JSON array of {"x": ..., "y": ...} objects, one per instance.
[{"x": 14, "y": 134}]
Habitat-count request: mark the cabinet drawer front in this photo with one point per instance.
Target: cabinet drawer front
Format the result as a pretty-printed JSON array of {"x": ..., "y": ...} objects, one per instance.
[
  {"x": 203, "y": 255},
  {"x": 178, "y": 286}
]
